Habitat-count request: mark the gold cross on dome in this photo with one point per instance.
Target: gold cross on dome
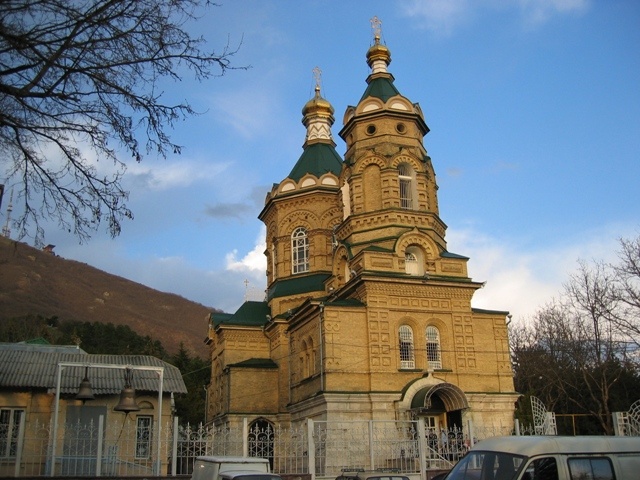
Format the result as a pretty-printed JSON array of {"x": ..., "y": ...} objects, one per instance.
[
  {"x": 376, "y": 26},
  {"x": 317, "y": 75}
]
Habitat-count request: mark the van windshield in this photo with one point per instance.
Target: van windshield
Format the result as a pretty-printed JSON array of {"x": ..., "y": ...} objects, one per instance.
[{"x": 479, "y": 465}]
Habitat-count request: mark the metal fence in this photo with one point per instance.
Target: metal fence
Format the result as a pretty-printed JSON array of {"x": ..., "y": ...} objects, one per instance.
[{"x": 319, "y": 448}]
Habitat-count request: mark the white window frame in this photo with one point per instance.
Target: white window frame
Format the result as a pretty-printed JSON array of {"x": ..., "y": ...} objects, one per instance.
[
  {"x": 144, "y": 436},
  {"x": 11, "y": 420},
  {"x": 299, "y": 251},
  {"x": 406, "y": 178},
  {"x": 434, "y": 358},
  {"x": 407, "y": 357}
]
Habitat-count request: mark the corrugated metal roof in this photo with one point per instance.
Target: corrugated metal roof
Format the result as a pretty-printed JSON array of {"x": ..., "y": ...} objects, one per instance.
[{"x": 24, "y": 366}]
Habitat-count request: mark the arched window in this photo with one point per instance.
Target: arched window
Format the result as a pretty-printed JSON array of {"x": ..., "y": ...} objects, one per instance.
[
  {"x": 407, "y": 177},
  {"x": 414, "y": 261},
  {"x": 299, "y": 251},
  {"x": 406, "y": 347},
  {"x": 433, "y": 348}
]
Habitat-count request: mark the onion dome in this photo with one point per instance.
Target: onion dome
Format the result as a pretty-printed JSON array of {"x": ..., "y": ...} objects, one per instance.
[
  {"x": 378, "y": 57},
  {"x": 317, "y": 106}
]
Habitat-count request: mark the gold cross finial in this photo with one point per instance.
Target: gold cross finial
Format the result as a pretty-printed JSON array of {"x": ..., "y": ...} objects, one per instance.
[
  {"x": 317, "y": 75},
  {"x": 376, "y": 26}
]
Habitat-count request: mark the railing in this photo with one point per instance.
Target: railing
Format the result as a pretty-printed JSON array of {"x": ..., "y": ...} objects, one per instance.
[{"x": 317, "y": 448}]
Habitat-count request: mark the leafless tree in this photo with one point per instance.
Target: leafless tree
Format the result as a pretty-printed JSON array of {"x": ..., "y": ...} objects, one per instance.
[
  {"x": 80, "y": 83},
  {"x": 628, "y": 289},
  {"x": 575, "y": 353}
]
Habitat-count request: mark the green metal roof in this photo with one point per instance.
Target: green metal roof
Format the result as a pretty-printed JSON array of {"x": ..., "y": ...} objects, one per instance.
[
  {"x": 298, "y": 284},
  {"x": 489, "y": 312},
  {"x": 250, "y": 314},
  {"x": 256, "y": 363},
  {"x": 382, "y": 88},
  {"x": 345, "y": 302},
  {"x": 445, "y": 254},
  {"x": 317, "y": 159},
  {"x": 216, "y": 318}
]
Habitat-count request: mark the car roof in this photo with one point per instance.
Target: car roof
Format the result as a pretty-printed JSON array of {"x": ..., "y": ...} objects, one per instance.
[
  {"x": 231, "y": 459},
  {"x": 365, "y": 474},
  {"x": 540, "y": 445},
  {"x": 253, "y": 473}
]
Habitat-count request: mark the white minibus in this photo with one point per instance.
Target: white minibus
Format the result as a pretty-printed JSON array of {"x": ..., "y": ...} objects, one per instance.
[{"x": 551, "y": 458}]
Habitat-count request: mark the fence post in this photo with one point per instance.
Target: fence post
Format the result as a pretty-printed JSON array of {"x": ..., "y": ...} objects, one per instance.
[
  {"x": 99, "y": 452},
  {"x": 422, "y": 450},
  {"x": 174, "y": 447},
  {"x": 372, "y": 461},
  {"x": 472, "y": 439},
  {"x": 245, "y": 437},
  {"x": 311, "y": 449},
  {"x": 517, "y": 425}
]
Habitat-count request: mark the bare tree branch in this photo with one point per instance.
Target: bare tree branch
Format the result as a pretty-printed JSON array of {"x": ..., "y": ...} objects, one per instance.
[{"x": 79, "y": 76}]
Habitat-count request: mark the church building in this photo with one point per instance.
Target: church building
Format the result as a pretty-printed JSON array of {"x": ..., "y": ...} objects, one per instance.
[{"x": 367, "y": 314}]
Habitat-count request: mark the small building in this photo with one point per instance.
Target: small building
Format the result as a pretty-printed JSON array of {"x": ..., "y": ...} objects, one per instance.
[{"x": 39, "y": 387}]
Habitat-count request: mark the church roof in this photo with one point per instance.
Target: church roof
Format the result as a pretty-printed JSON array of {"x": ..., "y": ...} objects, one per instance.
[
  {"x": 250, "y": 314},
  {"x": 317, "y": 159},
  {"x": 256, "y": 363},
  {"x": 382, "y": 88},
  {"x": 298, "y": 284}
]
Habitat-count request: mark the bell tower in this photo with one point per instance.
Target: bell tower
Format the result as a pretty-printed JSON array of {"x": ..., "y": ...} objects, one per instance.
[{"x": 390, "y": 203}]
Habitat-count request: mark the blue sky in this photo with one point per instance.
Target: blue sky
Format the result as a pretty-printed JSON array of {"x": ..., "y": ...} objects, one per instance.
[{"x": 534, "y": 110}]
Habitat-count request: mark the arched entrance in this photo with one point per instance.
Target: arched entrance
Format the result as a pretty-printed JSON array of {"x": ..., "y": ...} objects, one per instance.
[{"x": 440, "y": 407}]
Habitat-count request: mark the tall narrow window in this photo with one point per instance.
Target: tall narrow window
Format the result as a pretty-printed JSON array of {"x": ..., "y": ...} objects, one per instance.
[
  {"x": 274, "y": 273},
  {"x": 299, "y": 251},
  {"x": 144, "y": 426},
  {"x": 10, "y": 420},
  {"x": 406, "y": 347},
  {"x": 433, "y": 348},
  {"x": 407, "y": 188}
]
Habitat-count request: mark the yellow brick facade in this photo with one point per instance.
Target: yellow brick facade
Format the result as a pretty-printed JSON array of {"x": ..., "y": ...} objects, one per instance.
[{"x": 368, "y": 315}]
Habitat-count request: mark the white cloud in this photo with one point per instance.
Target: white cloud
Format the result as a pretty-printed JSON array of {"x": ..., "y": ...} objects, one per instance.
[
  {"x": 440, "y": 16},
  {"x": 540, "y": 11},
  {"x": 444, "y": 16},
  {"x": 165, "y": 174},
  {"x": 524, "y": 279},
  {"x": 249, "y": 111},
  {"x": 254, "y": 261}
]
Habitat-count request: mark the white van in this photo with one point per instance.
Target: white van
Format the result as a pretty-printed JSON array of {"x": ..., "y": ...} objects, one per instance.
[
  {"x": 551, "y": 458},
  {"x": 232, "y": 468}
]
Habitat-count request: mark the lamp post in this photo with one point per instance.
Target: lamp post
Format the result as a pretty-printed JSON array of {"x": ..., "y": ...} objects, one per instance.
[{"x": 62, "y": 365}]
